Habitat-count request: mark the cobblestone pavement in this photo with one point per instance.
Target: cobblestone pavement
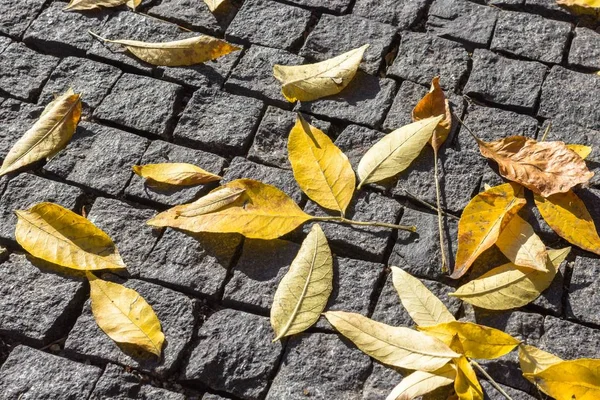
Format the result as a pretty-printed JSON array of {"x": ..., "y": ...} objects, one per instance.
[{"x": 509, "y": 66}]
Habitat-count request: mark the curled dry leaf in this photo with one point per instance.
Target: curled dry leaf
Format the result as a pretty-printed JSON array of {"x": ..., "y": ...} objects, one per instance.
[
  {"x": 482, "y": 220},
  {"x": 519, "y": 243},
  {"x": 396, "y": 346},
  {"x": 213, "y": 201},
  {"x": 419, "y": 383},
  {"x": 534, "y": 360},
  {"x": 466, "y": 384},
  {"x": 125, "y": 316},
  {"x": 81, "y": 5},
  {"x": 213, "y": 5},
  {"x": 509, "y": 286},
  {"x": 59, "y": 236},
  {"x": 395, "y": 151},
  {"x": 314, "y": 81},
  {"x": 569, "y": 380},
  {"x": 434, "y": 104},
  {"x": 422, "y": 305},
  {"x": 303, "y": 292},
  {"x": 581, "y": 150},
  {"x": 567, "y": 215},
  {"x": 50, "y": 133},
  {"x": 180, "y": 174},
  {"x": 580, "y": 3},
  {"x": 546, "y": 168},
  {"x": 261, "y": 212},
  {"x": 179, "y": 53}
]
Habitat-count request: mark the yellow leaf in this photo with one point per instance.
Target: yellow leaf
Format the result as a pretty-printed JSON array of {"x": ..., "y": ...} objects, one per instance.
[
  {"x": 478, "y": 341},
  {"x": 509, "y": 286},
  {"x": 570, "y": 380},
  {"x": 580, "y": 3},
  {"x": 261, "y": 212},
  {"x": 433, "y": 104},
  {"x": 419, "y": 383},
  {"x": 581, "y": 150},
  {"x": 395, "y": 151},
  {"x": 396, "y": 346},
  {"x": 322, "y": 171},
  {"x": 78, "y": 5},
  {"x": 213, "y": 5},
  {"x": 215, "y": 200},
  {"x": 125, "y": 316},
  {"x": 59, "y": 236},
  {"x": 519, "y": 243},
  {"x": 179, "y": 53},
  {"x": 482, "y": 220},
  {"x": 422, "y": 305},
  {"x": 180, "y": 174},
  {"x": 534, "y": 360},
  {"x": 303, "y": 292},
  {"x": 569, "y": 218},
  {"x": 314, "y": 81},
  {"x": 466, "y": 384},
  {"x": 50, "y": 133}
]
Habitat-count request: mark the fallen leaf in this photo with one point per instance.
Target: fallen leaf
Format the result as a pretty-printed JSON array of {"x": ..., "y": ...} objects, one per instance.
[
  {"x": 519, "y": 243},
  {"x": 478, "y": 341},
  {"x": 422, "y": 305},
  {"x": 466, "y": 384},
  {"x": 179, "y": 53},
  {"x": 213, "y": 5},
  {"x": 395, "y": 151},
  {"x": 303, "y": 292},
  {"x": 50, "y": 133},
  {"x": 482, "y": 221},
  {"x": 125, "y": 316},
  {"x": 321, "y": 169},
  {"x": 509, "y": 286},
  {"x": 580, "y": 3},
  {"x": 80, "y": 5},
  {"x": 215, "y": 200},
  {"x": 570, "y": 380},
  {"x": 59, "y": 236},
  {"x": 419, "y": 383},
  {"x": 581, "y": 150},
  {"x": 567, "y": 215},
  {"x": 433, "y": 104},
  {"x": 314, "y": 81},
  {"x": 180, "y": 174},
  {"x": 261, "y": 212},
  {"x": 545, "y": 168},
  {"x": 396, "y": 346},
  {"x": 534, "y": 360}
]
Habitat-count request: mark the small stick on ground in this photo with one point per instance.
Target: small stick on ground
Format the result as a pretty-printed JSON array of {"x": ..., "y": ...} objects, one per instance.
[
  {"x": 490, "y": 379},
  {"x": 439, "y": 211}
]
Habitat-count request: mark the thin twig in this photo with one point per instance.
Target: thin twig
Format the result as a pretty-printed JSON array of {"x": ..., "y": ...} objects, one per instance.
[
  {"x": 546, "y": 131},
  {"x": 467, "y": 128},
  {"x": 439, "y": 210},
  {"x": 492, "y": 381},
  {"x": 343, "y": 220},
  {"x": 427, "y": 204}
]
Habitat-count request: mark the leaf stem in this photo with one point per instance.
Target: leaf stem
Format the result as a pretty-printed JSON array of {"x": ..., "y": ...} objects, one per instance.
[
  {"x": 427, "y": 204},
  {"x": 439, "y": 210},
  {"x": 546, "y": 132},
  {"x": 492, "y": 381},
  {"x": 467, "y": 128},
  {"x": 97, "y": 36},
  {"x": 343, "y": 220}
]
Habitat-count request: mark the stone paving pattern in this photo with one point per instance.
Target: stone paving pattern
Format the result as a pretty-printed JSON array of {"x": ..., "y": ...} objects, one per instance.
[{"x": 508, "y": 66}]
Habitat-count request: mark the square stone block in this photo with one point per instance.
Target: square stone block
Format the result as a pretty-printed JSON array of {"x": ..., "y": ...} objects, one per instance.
[
  {"x": 401, "y": 13},
  {"x": 585, "y": 49},
  {"x": 196, "y": 16},
  {"x": 16, "y": 16}
]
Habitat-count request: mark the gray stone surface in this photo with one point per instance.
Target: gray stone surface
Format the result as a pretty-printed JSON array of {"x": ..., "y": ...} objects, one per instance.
[
  {"x": 583, "y": 291},
  {"x": 356, "y": 140},
  {"x": 491, "y": 393},
  {"x": 234, "y": 354},
  {"x": 380, "y": 382},
  {"x": 16, "y": 117},
  {"x": 308, "y": 369},
  {"x": 32, "y": 374},
  {"x": 268, "y": 23},
  {"x": 4, "y": 42},
  {"x": 422, "y": 56},
  {"x": 220, "y": 123},
  {"x": 37, "y": 305},
  {"x": 569, "y": 340},
  {"x": 141, "y": 104},
  {"x": 211, "y": 74},
  {"x": 210, "y": 396},
  {"x": 402, "y": 13},
  {"x": 585, "y": 48},
  {"x": 549, "y": 9},
  {"x": 24, "y": 71},
  {"x": 164, "y": 152},
  {"x": 177, "y": 318},
  {"x": 98, "y": 158},
  {"x": 334, "y": 6},
  {"x": 17, "y": 15},
  {"x": 336, "y": 35},
  {"x": 504, "y": 81},
  {"x": 194, "y": 15}
]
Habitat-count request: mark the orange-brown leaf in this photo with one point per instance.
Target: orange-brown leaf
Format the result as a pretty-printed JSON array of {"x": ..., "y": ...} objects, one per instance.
[{"x": 433, "y": 104}]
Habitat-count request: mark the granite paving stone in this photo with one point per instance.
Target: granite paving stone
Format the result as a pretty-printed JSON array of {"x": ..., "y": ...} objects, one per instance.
[
  {"x": 234, "y": 354},
  {"x": 585, "y": 48},
  {"x": 422, "y": 56},
  {"x": 164, "y": 152},
  {"x": 582, "y": 296},
  {"x": 17, "y": 15},
  {"x": 560, "y": 336},
  {"x": 195, "y": 15},
  {"x": 211, "y": 74},
  {"x": 336, "y": 35},
  {"x": 268, "y": 23},
  {"x": 333, "y": 6},
  {"x": 549, "y": 9},
  {"x": 4, "y": 42},
  {"x": 381, "y": 382},
  {"x": 142, "y": 104},
  {"x": 220, "y": 123},
  {"x": 16, "y": 117},
  {"x": 33, "y": 374},
  {"x": 509, "y": 4},
  {"x": 37, "y": 305},
  {"x": 177, "y": 317},
  {"x": 99, "y": 158},
  {"x": 401, "y": 13},
  {"x": 491, "y": 393},
  {"x": 210, "y": 396},
  {"x": 356, "y": 140},
  {"x": 507, "y": 82}
]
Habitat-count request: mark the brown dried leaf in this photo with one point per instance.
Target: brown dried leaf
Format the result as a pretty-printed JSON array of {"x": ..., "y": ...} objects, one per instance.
[{"x": 434, "y": 104}]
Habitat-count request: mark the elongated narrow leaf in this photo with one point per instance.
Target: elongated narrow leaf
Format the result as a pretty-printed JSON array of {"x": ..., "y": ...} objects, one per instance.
[
  {"x": 59, "y": 236},
  {"x": 519, "y": 243},
  {"x": 303, "y": 292},
  {"x": 178, "y": 53},
  {"x": 466, "y": 385},
  {"x": 215, "y": 200},
  {"x": 50, "y": 133},
  {"x": 419, "y": 383},
  {"x": 509, "y": 286},
  {"x": 433, "y": 104},
  {"x": 213, "y": 5},
  {"x": 261, "y": 212},
  {"x": 125, "y": 316},
  {"x": 534, "y": 360},
  {"x": 482, "y": 220},
  {"x": 570, "y": 380},
  {"x": 569, "y": 218},
  {"x": 396, "y": 346},
  {"x": 478, "y": 341},
  {"x": 581, "y": 150},
  {"x": 580, "y": 3},
  {"x": 81, "y": 5},
  {"x": 314, "y": 81},
  {"x": 181, "y": 174},
  {"x": 396, "y": 151},
  {"x": 422, "y": 305},
  {"x": 322, "y": 171}
]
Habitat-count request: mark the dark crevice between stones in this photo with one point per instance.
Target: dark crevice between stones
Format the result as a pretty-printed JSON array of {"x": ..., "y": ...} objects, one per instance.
[
  {"x": 6, "y": 346},
  {"x": 279, "y": 362},
  {"x": 233, "y": 263},
  {"x": 312, "y": 23},
  {"x": 390, "y": 56}
]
